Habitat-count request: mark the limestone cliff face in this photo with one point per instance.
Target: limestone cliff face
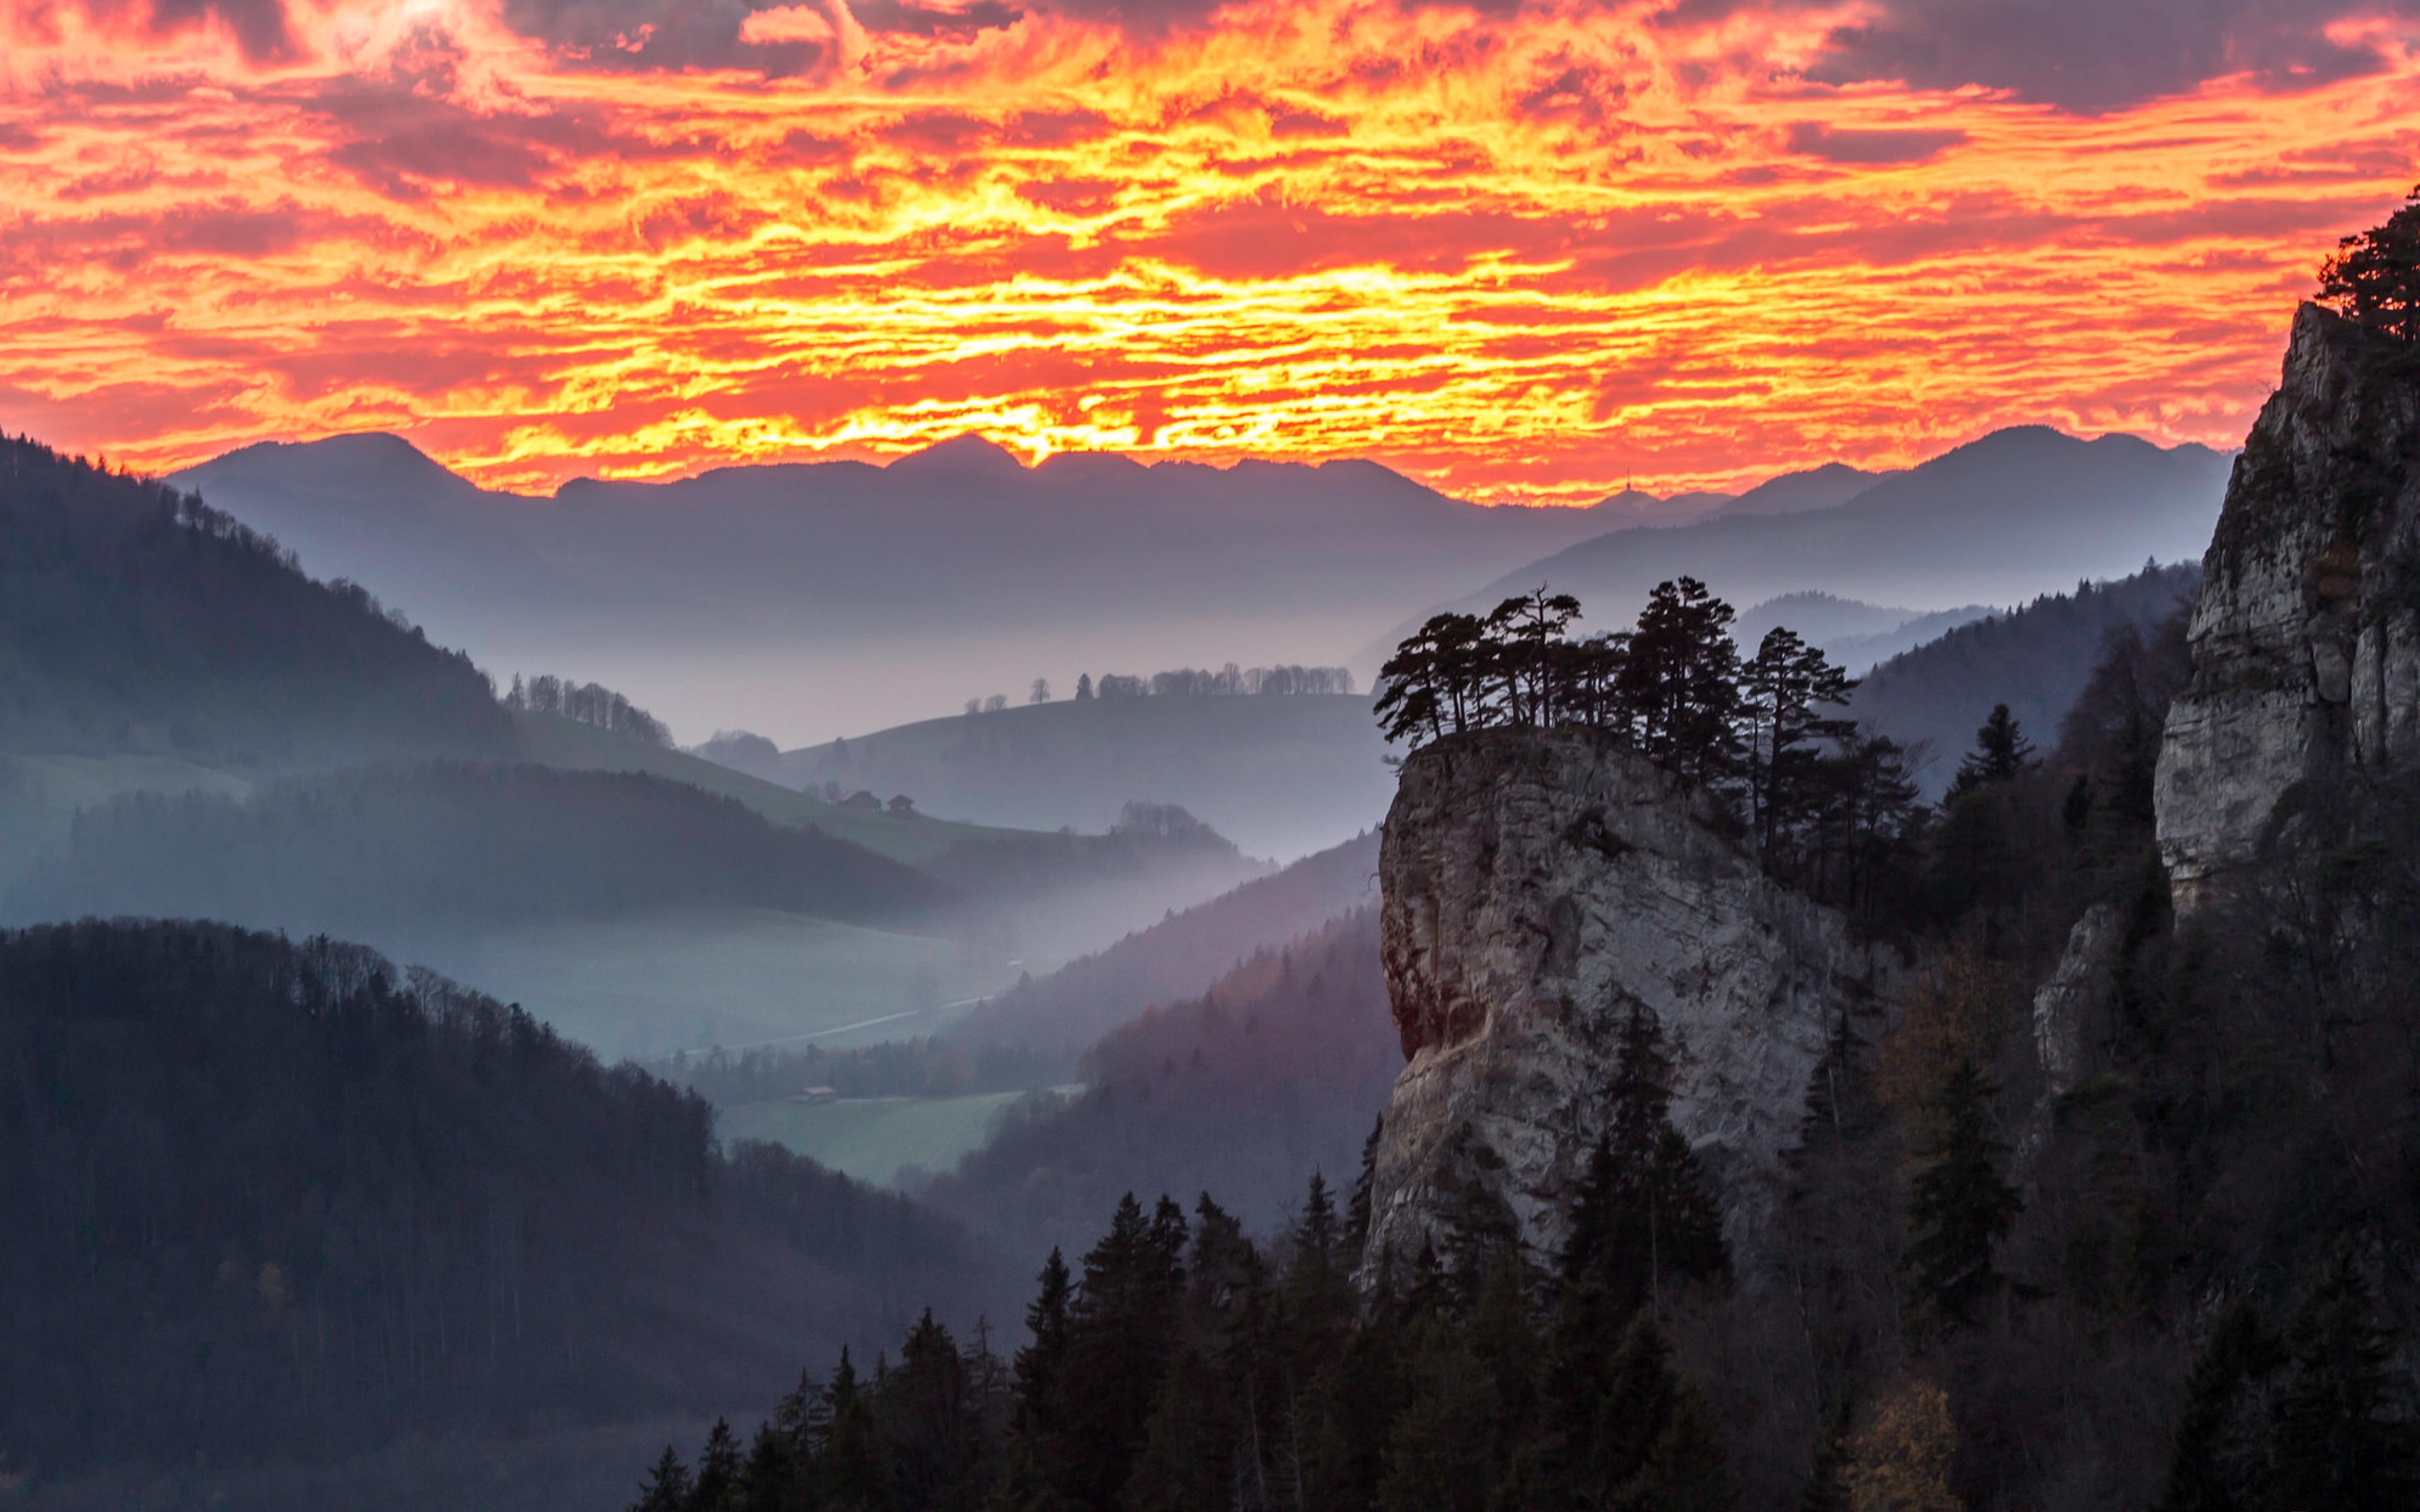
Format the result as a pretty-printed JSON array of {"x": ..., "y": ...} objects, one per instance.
[
  {"x": 1535, "y": 884},
  {"x": 2307, "y": 638}
]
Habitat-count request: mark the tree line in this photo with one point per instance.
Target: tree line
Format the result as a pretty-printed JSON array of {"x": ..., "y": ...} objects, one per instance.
[
  {"x": 1228, "y": 681},
  {"x": 1832, "y": 809},
  {"x": 588, "y": 703},
  {"x": 1185, "y": 1366}
]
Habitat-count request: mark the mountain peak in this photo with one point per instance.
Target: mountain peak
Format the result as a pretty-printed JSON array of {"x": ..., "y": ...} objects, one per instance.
[
  {"x": 373, "y": 456},
  {"x": 961, "y": 457}
]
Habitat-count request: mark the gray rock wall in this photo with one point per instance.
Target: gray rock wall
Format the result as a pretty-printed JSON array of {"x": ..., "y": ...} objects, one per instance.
[
  {"x": 2305, "y": 645},
  {"x": 1535, "y": 884}
]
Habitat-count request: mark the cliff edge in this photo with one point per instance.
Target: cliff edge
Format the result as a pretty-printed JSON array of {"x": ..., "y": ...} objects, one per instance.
[
  {"x": 2306, "y": 636},
  {"x": 1537, "y": 884}
]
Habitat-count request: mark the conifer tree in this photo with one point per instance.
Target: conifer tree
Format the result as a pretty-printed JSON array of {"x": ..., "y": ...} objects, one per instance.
[
  {"x": 715, "y": 1488},
  {"x": 666, "y": 1488},
  {"x": 769, "y": 1479},
  {"x": 2001, "y": 753},
  {"x": 1679, "y": 681},
  {"x": 2374, "y": 278},
  {"x": 1957, "y": 1205},
  {"x": 1781, "y": 688},
  {"x": 2342, "y": 1435},
  {"x": 1121, "y": 1330},
  {"x": 1689, "y": 1469},
  {"x": 2215, "y": 1463},
  {"x": 847, "y": 1470},
  {"x": 930, "y": 1426}
]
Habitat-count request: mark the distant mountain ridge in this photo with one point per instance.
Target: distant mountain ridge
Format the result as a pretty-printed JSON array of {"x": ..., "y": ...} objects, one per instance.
[
  {"x": 808, "y": 599},
  {"x": 862, "y": 591},
  {"x": 2036, "y": 659},
  {"x": 1995, "y": 521}
]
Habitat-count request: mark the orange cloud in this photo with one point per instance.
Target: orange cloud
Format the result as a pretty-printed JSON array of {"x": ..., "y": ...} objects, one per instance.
[{"x": 1518, "y": 251}]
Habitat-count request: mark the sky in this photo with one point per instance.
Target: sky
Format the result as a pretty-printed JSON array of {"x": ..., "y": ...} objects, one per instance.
[{"x": 1522, "y": 250}]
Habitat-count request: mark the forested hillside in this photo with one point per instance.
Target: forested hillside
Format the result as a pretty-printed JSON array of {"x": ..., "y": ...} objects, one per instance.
[
  {"x": 275, "y": 1200},
  {"x": 2036, "y": 660},
  {"x": 1060, "y": 1014},
  {"x": 133, "y": 618},
  {"x": 453, "y": 846},
  {"x": 1282, "y": 774},
  {"x": 1277, "y": 1070}
]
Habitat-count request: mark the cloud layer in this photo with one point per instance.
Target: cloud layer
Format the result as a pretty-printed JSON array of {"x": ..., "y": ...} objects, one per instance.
[{"x": 1521, "y": 250}]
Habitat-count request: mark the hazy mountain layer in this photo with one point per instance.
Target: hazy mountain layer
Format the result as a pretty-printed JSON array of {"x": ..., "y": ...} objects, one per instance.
[
  {"x": 455, "y": 849},
  {"x": 2036, "y": 660},
  {"x": 1065, "y": 1011},
  {"x": 1996, "y": 521},
  {"x": 1279, "y": 775},
  {"x": 808, "y": 600}
]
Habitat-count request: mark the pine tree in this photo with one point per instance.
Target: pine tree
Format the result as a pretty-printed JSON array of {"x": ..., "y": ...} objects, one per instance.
[
  {"x": 1689, "y": 1469},
  {"x": 1120, "y": 1332},
  {"x": 717, "y": 1486},
  {"x": 848, "y": 1472},
  {"x": 2342, "y": 1434},
  {"x": 2215, "y": 1463},
  {"x": 666, "y": 1488},
  {"x": 2001, "y": 753},
  {"x": 2374, "y": 278},
  {"x": 770, "y": 1480},
  {"x": 1780, "y": 688},
  {"x": 1957, "y": 1205},
  {"x": 1680, "y": 681},
  {"x": 930, "y": 1423}
]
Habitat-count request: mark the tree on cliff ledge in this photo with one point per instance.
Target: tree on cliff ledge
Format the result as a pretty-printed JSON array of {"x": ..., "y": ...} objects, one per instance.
[{"x": 2374, "y": 278}]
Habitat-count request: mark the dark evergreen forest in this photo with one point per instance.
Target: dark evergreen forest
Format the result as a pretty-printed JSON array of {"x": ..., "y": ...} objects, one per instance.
[
  {"x": 452, "y": 845},
  {"x": 1186, "y": 1365},
  {"x": 2183, "y": 1281},
  {"x": 136, "y": 618},
  {"x": 275, "y": 1200}
]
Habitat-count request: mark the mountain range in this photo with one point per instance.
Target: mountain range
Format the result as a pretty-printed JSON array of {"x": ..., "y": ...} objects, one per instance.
[
  {"x": 809, "y": 601},
  {"x": 1998, "y": 520}
]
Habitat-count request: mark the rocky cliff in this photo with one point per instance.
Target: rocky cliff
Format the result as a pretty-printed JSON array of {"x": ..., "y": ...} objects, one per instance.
[
  {"x": 1536, "y": 885},
  {"x": 2306, "y": 637}
]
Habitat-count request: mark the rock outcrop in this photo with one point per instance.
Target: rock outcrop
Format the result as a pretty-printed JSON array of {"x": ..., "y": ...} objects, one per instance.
[
  {"x": 2306, "y": 637},
  {"x": 1536, "y": 885}
]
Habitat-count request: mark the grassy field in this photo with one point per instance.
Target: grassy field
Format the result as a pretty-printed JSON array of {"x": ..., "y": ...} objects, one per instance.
[
  {"x": 871, "y": 1138},
  {"x": 39, "y": 794},
  {"x": 574, "y": 747},
  {"x": 694, "y": 979}
]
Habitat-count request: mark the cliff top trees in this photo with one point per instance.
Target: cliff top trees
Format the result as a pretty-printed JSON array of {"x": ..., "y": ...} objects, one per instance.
[
  {"x": 1830, "y": 810},
  {"x": 2374, "y": 278}
]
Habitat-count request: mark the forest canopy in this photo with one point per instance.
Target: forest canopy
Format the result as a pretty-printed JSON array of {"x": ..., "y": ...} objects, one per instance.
[{"x": 136, "y": 618}]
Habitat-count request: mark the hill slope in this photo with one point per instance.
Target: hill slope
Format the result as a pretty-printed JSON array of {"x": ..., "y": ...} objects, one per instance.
[
  {"x": 1070, "y": 1009},
  {"x": 1279, "y": 775},
  {"x": 133, "y": 619},
  {"x": 271, "y": 1200},
  {"x": 455, "y": 848},
  {"x": 1278, "y": 1070},
  {"x": 2036, "y": 659}
]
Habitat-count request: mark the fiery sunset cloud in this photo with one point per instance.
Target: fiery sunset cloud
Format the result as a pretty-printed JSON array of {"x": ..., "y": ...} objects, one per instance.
[{"x": 1520, "y": 249}]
